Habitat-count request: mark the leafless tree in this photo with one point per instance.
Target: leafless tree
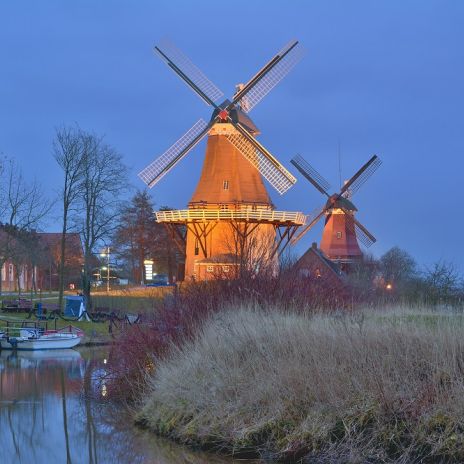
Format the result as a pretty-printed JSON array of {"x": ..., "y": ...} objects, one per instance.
[
  {"x": 250, "y": 247},
  {"x": 68, "y": 151},
  {"x": 104, "y": 179},
  {"x": 443, "y": 282},
  {"x": 24, "y": 203},
  {"x": 23, "y": 208},
  {"x": 398, "y": 266}
]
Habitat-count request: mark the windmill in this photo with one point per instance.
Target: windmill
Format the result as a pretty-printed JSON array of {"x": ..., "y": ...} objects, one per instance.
[
  {"x": 230, "y": 202},
  {"x": 342, "y": 231}
]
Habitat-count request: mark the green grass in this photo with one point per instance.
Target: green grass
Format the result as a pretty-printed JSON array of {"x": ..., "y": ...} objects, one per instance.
[
  {"x": 133, "y": 300},
  {"x": 138, "y": 300}
]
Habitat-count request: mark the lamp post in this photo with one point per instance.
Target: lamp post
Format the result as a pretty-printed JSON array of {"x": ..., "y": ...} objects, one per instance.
[{"x": 107, "y": 254}]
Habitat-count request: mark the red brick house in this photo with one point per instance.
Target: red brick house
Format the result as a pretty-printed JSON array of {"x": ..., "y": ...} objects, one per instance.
[
  {"x": 323, "y": 274},
  {"x": 38, "y": 268}
]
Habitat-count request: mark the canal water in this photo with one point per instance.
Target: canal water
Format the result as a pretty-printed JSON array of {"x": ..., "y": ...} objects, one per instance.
[{"x": 53, "y": 409}]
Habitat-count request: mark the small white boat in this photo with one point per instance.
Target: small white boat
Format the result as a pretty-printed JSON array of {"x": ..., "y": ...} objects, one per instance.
[{"x": 37, "y": 339}]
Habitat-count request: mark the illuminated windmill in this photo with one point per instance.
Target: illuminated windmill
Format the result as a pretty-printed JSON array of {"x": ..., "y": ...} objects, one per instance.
[
  {"x": 342, "y": 230},
  {"x": 230, "y": 207}
]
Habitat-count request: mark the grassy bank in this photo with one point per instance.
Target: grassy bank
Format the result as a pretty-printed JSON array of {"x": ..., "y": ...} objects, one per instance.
[{"x": 383, "y": 387}]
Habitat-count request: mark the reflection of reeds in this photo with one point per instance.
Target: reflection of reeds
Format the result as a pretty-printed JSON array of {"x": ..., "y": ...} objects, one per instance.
[{"x": 340, "y": 388}]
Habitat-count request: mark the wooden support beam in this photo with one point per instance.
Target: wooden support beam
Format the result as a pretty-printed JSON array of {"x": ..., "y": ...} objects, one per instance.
[{"x": 178, "y": 238}]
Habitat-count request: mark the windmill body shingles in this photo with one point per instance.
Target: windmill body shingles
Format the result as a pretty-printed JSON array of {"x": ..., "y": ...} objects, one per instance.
[
  {"x": 224, "y": 163},
  {"x": 245, "y": 189},
  {"x": 339, "y": 239}
]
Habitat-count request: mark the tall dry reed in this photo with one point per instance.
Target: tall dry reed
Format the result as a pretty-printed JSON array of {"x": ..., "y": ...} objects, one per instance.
[{"x": 292, "y": 386}]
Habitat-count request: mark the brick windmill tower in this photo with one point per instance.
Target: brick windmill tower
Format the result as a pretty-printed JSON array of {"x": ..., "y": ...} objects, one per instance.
[
  {"x": 342, "y": 231},
  {"x": 230, "y": 223}
]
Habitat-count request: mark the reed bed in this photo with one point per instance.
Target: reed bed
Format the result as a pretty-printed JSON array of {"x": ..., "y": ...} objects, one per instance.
[{"x": 377, "y": 386}]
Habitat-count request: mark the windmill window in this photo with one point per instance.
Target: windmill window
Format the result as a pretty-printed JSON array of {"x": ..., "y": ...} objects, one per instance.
[
  {"x": 196, "y": 247},
  {"x": 225, "y": 185},
  {"x": 225, "y": 268},
  {"x": 209, "y": 268},
  {"x": 339, "y": 235}
]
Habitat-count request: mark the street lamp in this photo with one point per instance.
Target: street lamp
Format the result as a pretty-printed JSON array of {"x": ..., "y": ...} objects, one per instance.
[{"x": 106, "y": 253}]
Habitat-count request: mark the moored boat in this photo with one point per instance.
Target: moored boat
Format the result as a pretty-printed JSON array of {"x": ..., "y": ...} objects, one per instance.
[{"x": 37, "y": 339}]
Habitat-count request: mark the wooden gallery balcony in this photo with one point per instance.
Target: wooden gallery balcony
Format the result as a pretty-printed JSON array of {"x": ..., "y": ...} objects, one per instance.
[{"x": 243, "y": 214}]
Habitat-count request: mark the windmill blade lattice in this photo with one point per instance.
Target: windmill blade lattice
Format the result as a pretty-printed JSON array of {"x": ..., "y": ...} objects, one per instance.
[
  {"x": 269, "y": 76},
  {"x": 311, "y": 174},
  {"x": 251, "y": 149},
  {"x": 313, "y": 220},
  {"x": 163, "y": 164},
  {"x": 362, "y": 234},
  {"x": 362, "y": 175},
  {"x": 188, "y": 72},
  {"x": 258, "y": 156}
]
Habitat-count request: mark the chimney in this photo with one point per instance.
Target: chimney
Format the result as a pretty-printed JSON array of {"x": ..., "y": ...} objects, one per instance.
[{"x": 314, "y": 245}]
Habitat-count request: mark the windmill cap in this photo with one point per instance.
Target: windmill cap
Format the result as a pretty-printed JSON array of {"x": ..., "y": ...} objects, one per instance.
[
  {"x": 338, "y": 201},
  {"x": 237, "y": 115}
]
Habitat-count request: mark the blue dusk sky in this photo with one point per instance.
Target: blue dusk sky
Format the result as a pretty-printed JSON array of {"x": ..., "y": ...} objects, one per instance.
[{"x": 380, "y": 77}]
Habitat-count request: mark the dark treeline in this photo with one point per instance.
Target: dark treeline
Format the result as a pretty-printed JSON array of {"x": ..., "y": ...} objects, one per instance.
[{"x": 396, "y": 277}]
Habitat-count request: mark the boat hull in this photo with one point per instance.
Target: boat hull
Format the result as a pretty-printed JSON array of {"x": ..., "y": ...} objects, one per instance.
[{"x": 42, "y": 343}]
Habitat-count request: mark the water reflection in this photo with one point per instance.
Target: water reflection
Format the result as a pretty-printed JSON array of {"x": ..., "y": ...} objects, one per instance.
[{"x": 48, "y": 413}]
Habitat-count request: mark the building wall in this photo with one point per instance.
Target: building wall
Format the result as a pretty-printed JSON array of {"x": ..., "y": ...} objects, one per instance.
[
  {"x": 45, "y": 274},
  {"x": 223, "y": 246},
  {"x": 314, "y": 266},
  {"x": 9, "y": 276},
  {"x": 228, "y": 181},
  {"x": 338, "y": 238}
]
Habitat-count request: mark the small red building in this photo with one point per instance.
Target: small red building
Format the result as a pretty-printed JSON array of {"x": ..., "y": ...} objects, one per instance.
[
  {"x": 37, "y": 267},
  {"x": 323, "y": 275}
]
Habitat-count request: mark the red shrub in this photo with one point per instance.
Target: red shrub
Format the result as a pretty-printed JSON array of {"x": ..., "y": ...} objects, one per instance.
[{"x": 179, "y": 315}]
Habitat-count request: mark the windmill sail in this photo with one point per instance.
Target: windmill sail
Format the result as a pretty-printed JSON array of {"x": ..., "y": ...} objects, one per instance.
[
  {"x": 262, "y": 160},
  {"x": 311, "y": 174},
  {"x": 188, "y": 72},
  {"x": 356, "y": 228},
  {"x": 361, "y": 176},
  {"x": 363, "y": 235},
  {"x": 269, "y": 76},
  {"x": 162, "y": 165},
  {"x": 313, "y": 219}
]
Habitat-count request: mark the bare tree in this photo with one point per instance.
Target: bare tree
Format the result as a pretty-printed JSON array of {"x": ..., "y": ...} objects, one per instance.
[
  {"x": 104, "y": 179},
  {"x": 250, "y": 248},
  {"x": 443, "y": 282},
  {"x": 68, "y": 151},
  {"x": 24, "y": 206},
  {"x": 398, "y": 267}
]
